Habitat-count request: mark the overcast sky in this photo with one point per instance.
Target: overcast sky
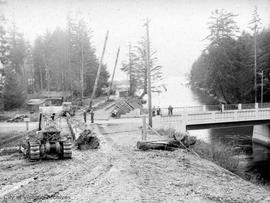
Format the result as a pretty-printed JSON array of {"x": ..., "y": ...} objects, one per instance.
[{"x": 177, "y": 27}]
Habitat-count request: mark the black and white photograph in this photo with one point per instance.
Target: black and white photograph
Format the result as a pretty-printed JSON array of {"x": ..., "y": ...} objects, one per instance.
[{"x": 135, "y": 101}]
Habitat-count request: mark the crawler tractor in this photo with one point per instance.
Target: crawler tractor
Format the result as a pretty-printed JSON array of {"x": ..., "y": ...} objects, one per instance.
[{"x": 48, "y": 142}]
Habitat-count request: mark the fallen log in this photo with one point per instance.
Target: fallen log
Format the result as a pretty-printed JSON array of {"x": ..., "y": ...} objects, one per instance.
[
  {"x": 170, "y": 144},
  {"x": 158, "y": 145}
]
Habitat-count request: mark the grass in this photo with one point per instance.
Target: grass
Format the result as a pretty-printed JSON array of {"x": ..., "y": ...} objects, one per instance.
[
  {"x": 223, "y": 155},
  {"x": 219, "y": 153}
]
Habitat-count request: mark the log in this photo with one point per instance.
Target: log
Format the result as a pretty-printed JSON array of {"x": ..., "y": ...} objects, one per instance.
[{"x": 169, "y": 145}]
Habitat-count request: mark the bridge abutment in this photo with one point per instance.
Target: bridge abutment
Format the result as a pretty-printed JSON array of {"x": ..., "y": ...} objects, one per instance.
[{"x": 261, "y": 134}]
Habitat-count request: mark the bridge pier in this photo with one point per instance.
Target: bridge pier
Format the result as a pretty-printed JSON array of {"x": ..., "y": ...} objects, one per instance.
[{"x": 261, "y": 134}]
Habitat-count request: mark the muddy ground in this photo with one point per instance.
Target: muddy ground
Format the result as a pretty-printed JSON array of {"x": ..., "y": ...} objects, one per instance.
[{"x": 118, "y": 172}]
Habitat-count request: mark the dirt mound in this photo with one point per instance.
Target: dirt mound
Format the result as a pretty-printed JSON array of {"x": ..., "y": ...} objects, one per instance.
[{"x": 87, "y": 140}]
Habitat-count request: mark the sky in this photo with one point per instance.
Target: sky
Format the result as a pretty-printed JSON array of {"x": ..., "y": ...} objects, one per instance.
[{"x": 177, "y": 27}]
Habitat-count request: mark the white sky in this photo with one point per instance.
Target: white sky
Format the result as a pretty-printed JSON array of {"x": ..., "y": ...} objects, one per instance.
[{"x": 176, "y": 30}]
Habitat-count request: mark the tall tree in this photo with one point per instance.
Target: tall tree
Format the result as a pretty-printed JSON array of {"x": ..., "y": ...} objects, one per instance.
[
  {"x": 14, "y": 93},
  {"x": 17, "y": 49},
  {"x": 4, "y": 47},
  {"x": 138, "y": 69},
  {"x": 66, "y": 59}
]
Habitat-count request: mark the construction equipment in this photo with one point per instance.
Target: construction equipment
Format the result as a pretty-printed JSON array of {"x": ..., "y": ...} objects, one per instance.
[{"x": 49, "y": 142}]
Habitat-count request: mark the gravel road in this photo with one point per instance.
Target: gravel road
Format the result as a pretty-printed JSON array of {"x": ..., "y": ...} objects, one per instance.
[{"x": 118, "y": 172}]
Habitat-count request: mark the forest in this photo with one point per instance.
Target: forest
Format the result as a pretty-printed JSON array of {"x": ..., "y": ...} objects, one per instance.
[
  {"x": 58, "y": 60},
  {"x": 235, "y": 67}
]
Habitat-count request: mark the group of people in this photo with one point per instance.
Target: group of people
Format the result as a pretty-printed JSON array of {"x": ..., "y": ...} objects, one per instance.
[
  {"x": 91, "y": 113},
  {"x": 158, "y": 111}
]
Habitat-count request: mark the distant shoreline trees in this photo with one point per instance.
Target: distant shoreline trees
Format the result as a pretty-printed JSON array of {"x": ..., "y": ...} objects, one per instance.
[{"x": 226, "y": 67}]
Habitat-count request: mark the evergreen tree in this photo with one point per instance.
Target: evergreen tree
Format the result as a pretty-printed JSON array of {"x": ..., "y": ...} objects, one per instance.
[
  {"x": 136, "y": 67},
  {"x": 4, "y": 47},
  {"x": 14, "y": 93}
]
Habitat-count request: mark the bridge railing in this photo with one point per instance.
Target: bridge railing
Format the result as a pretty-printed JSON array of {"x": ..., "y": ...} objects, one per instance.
[
  {"x": 226, "y": 116},
  {"x": 221, "y": 108},
  {"x": 244, "y": 112},
  {"x": 264, "y": 105}
]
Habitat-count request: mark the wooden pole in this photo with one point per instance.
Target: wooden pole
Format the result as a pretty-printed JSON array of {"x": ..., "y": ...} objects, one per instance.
[
  {"x": 115, "y": 64},
  {"x": 144, "y": 134},
  {"x": 130, "y": 73},
  {"x": 82, "y": 72},
  {"x": 262, "y": 88},
  {"x": 98, "y": 72},
  {"x": 255, "y": 63},
  {"x": 148, "y": 74}
]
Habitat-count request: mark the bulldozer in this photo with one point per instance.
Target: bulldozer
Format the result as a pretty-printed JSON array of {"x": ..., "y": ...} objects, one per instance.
[{"x": 49, "y": 142}]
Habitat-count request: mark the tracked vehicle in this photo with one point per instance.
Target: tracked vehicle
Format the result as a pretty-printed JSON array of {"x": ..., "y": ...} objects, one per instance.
[{"x": 49, "y": 142}]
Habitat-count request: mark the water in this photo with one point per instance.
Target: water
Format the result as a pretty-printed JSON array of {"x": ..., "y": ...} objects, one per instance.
[{"x": 256, "y": 158}]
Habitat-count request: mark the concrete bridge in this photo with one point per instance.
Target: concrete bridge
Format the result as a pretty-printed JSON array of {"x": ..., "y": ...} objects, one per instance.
[{"x": 220, "y": 116}]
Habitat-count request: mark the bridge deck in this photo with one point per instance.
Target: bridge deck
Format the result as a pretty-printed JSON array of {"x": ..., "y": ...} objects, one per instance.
[{"x": 200, "y": 117}]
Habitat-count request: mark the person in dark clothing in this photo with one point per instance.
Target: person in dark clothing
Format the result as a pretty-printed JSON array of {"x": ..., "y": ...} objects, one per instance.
[
  {"x": 154, "y": 111},
  {"x": 84, "y": 116},
  {"x": 158, "y": 111},
  {"x": 92, "y": 115},
  {"x": 170, "y": 110},
  {"x": 53, "y": 116}
]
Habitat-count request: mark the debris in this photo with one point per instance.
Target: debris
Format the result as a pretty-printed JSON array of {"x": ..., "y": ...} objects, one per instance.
[
  {"x": 17, "y": 118},
  {"x": 87, "y": 140}
]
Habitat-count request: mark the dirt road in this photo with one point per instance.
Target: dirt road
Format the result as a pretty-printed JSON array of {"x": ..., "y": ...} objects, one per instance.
[{"x": 117, "y": 172}]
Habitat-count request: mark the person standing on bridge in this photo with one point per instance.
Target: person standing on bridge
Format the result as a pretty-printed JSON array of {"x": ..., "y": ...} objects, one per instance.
[
  {"x": 158, "y": 111},
  {"x": 170, "y": 110}
]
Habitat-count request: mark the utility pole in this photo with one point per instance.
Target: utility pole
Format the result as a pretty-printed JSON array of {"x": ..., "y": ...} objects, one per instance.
[
  {"x": 130, "y": 72},
  {"x": 262, "y": 87},
  {"x": 148, "y": 74},
  {"x": 115, "y": 64},
  {"x": 255, "y": 22},
  {"x": 82, "y": 72},
  {"x": 98, "y": 72},
  {"x": 48, "y": 82},
  {"x": 41, "y": 79},
  {"x": 255, "y": 63}
]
